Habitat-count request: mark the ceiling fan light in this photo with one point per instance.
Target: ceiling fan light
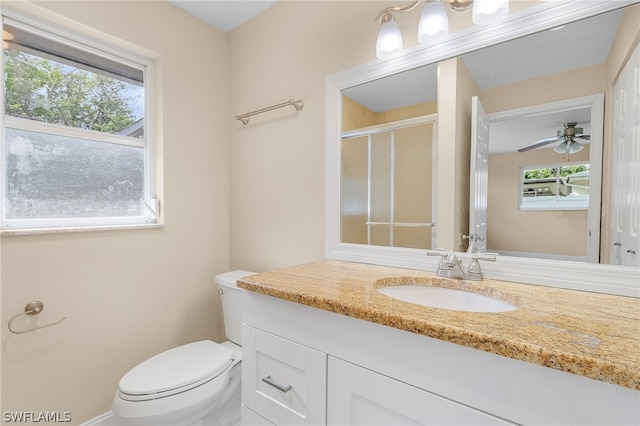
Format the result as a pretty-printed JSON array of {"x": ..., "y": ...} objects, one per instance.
[
  {"x": 561, "y": 149},
  {"x": 570, "y": 147},
  {"x": 489, "y": 11},
  {"x": 575, "y": 147},
  {"x": 434, "y": 23},
  {"x": 389, "y": 41}
]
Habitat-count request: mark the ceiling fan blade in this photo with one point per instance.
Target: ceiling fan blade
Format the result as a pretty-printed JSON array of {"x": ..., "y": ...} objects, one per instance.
[
  {"x": 539, "y": 143},
  {"x": 585, "y": 137}
]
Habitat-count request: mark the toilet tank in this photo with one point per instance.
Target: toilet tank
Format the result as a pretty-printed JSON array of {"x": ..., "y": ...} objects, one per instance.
[{"x": 231, "y": 297}]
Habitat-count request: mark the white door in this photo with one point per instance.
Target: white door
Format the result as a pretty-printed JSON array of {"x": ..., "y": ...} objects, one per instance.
[
  {"x": 625, "y": 167},
  {"x": 479, "y": 178}
]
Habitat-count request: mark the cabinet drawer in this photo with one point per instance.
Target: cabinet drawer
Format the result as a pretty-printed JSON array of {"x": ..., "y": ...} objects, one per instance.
[{"x": 282, "y": 381}]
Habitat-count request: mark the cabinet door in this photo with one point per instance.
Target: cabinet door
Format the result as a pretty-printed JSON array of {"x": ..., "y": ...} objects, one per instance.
[
  {"x": 357, "y": 396},
  {"x": 282, "y": 381}
]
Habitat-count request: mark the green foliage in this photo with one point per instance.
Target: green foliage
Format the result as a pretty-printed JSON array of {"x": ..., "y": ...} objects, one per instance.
[
  {"x": 539, "y": 174},
  {"x": 551, "y": 172},
  {"x": 47, "y": 91},
  {"x": 576, "y": 168}
]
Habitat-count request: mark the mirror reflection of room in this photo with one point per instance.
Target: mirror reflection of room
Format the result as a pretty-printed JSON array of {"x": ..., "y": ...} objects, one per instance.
[
  {"x": 539, "y": 193},
  {"x": 508, "y": 78},
  {"x": 387, "y": 156},
  {"x": 528, "y": 212}
]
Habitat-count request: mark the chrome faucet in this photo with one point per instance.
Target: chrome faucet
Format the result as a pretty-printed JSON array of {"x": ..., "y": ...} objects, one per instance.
[{"x": 451, "y": 267}]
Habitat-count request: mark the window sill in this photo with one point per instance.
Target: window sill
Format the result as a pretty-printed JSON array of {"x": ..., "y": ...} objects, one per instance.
[{"x": 36, "y": 231}]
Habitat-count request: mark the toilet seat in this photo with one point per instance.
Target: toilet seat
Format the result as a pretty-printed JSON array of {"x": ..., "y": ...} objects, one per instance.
[{"x": 175, "y": 371}]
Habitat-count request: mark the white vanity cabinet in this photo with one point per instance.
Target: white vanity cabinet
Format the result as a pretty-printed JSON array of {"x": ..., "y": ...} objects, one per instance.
[
  {"x": 344, "y": 370},
  {"x": 283, "y": 382},
  {"x": 359, "y": 396}
]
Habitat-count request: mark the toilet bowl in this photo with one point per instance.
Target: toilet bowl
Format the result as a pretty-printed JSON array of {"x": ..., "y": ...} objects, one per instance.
[{"x": 197, "y": 383}]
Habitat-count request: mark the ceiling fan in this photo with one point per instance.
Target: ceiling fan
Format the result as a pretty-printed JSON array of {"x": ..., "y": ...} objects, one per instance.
[{"x": 567, "y": 135}]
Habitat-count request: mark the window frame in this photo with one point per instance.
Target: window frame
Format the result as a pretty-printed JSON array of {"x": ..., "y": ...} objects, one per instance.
[
  {"x": 112, "y": 51},
  {"x": 558, "y": 202}
]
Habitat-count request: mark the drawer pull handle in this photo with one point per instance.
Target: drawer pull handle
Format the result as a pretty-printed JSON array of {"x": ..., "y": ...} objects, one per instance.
[{"x": 268, "y": 380}]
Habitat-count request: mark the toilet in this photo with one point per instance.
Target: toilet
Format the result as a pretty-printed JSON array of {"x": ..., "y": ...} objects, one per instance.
[{"x": 193, "y": 384}]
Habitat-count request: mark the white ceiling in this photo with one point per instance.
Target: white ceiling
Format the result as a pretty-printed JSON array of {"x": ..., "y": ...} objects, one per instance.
[{"x": 224, "y": 14}]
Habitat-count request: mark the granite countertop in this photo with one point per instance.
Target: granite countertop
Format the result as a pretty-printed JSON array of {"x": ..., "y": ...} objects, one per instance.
[{"x": 589, "y": 334}]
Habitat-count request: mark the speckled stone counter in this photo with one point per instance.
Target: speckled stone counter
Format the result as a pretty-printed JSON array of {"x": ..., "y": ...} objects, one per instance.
[{"x": 589, "y": 334}]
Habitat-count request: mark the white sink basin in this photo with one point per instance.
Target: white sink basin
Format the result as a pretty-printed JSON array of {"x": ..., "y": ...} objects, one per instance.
[{"x": 446, "y": 298}]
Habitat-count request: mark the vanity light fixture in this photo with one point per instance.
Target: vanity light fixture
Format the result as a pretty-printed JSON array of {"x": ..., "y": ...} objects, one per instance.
[{"x": 434, "y": 21}]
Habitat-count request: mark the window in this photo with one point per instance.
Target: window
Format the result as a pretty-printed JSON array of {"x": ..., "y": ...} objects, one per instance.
[
  {"x": 556, "y": 187},
  {"x": 75, "y": 141}
]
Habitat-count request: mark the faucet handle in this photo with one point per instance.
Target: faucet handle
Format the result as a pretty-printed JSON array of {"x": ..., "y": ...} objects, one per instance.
[
  {"x": 444, "y": 267},
  {"x": 439, "y": 252},
  {"x": 474, "y": 271},
  {"x": 488, "y": 257}
]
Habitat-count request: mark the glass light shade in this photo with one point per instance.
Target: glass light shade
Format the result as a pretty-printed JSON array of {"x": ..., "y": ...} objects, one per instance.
[
  {"x": 389, "y": 40},
  {"x": 568, "y": 146},
  {"x": 434, "y": 23},
  {"x": 489, "y": 11}
]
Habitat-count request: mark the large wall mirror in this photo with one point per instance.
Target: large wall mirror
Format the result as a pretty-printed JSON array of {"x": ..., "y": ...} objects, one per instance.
[{"x": 532, "y": 80}]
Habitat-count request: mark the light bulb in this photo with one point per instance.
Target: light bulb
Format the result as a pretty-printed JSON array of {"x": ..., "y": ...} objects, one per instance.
[
  {"x": 389, "y": 40},
  {"x": 434, "y": 23}
]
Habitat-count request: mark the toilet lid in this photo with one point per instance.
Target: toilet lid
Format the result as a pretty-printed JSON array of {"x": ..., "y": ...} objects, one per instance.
[{"x": 177, "y": 369}]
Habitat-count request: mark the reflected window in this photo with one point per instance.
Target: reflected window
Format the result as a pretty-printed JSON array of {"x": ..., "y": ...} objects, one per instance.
[{"x": 555, "y": 187}]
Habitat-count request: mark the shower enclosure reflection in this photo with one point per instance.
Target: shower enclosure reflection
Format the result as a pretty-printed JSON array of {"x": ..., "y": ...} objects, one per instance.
[{"x": 387, "y": 170}]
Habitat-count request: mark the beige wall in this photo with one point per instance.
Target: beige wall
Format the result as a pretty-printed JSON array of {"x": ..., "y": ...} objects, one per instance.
[
  {"x": 127, "y": 295},
  {"x": 555, "y": 87},
  {"x": 355, "y": 115},
  {"x": 277, "y": 162},
  {"x": 130, "y": 294},
  {"x": 456, "y": 87},
  {"x": 555, "y": 232},
  {"x": 425, "y": 108}
]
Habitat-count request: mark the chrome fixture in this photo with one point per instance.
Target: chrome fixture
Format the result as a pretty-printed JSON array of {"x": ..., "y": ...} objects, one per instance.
[
  {"x": 451, "y": 267},
  {"x": 244, "y": 118},
  {"x": 434, "y": 21},
  {"x": 570, "y": 145},
  {"x": 33, "y": 308}
]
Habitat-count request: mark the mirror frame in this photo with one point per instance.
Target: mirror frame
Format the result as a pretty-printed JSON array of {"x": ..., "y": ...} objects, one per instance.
[{"x": 601, "y": 278}]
